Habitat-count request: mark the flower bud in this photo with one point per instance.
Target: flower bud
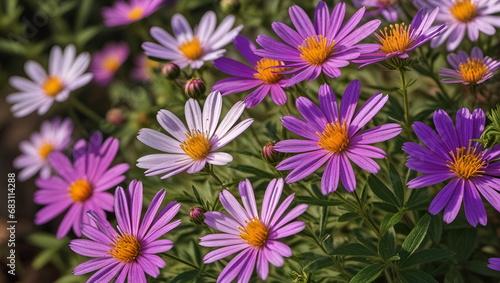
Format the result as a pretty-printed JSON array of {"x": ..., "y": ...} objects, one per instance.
[
  {"x": 197, "y": 215},
  {"x": 194, "y": 88},
  {"x": 230, "y": 6},
  {"x": 171, "y": 71},
  {"x": 115, "y": 116},
  {"x": 270, "y": 154}
]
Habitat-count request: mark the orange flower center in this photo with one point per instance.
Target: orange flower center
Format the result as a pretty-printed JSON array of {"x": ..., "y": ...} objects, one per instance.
[
  {"x": 255, "y": 233},
  {"x": 270, "y": 75},
  {"x": 80, "y": 190},
  {"x": 334, "y": 138},
  {"x": 111, "y": 63},
  {"x": 464, "y": 11},
  {"x": 473, "y": 71},
  {"x": 316, "y": 49},
  {"x": 136, "y": 14},
  {"x": 466, "y": 163},
  {"x": 191, "y": 49},
  {"x": 52, "y": 86},
  {"x": 396, "y": 38},
  {"x": 126, "y": 248},
  {"x": 45, "y": 149},
  {"x": 197, "y": 145}
]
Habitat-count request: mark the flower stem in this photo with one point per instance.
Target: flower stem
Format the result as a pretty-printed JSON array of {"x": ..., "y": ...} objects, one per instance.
[
  {"x": 366, "y": 216},
  {"x": 189, "y": 264},
  {"x": 473, "y": 89},
  {"x": 404, "y": 91},
  {"x": 209, "y": 169},
  {"x": 78, "y": 105}
]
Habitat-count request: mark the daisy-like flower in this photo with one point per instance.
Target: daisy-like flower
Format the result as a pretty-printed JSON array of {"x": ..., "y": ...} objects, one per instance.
[
  {"x": 384, "y": 7},
  {"x": 324, "y": 47},
  {"x": 54, "y": 136},
  {"x": 123, "y": 13},
  {"x": 130, "y": 251},
  {"x": 399, "y": 39},
  {"x": 494, "y": 263},
  {"x": 191, "y": 149},
  {"x": 453, "y": 154},
  {"x": 473, "y": 69},
  {"x": 460, "y": 16},
  {"x": 193, "y": 49},
  {"x": 107, "y": 61},
  {"x": 252, "y": 234},
  {"x": 66, "y": 73},
  {"x": 262, "y": 75},
  {"x": 80, "y": 186},
  {"x": 334, "y": 137}
]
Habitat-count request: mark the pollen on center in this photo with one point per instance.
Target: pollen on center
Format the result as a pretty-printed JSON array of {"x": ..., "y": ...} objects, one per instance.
[
  {"x": 394, "y": 39},
  {"x": 334, "y": 138},
  {"x": 197, "y": 145},
  {"x": 316, "y": 49},
  {"x": 191, "y": 49},
  {"x": 255, "y": 233},
  {"x": 266, "y": 72}
]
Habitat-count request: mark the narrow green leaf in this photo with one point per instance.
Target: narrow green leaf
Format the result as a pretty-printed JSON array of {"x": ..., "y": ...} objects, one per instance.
[
  {"x": 415, "y": 238},
  {"x": 416, "y": 276},
  {"x": 348, "y": 216},
  {"x": 381, "y": 191},
  {"x": 397, "y": 185},
  {"x": 319, "y": 202},
  {"x": 390, "y": 220},
  {"x": 425, "y": 256},
  {"x": 387, "y": 245},
  {"x": 386, "y": 207},
  {"x": 319, "y": 263},
  {"x": 253, "y": 171},
  {"x": 354, "y": 249},
  {"x": 188, "y": 276},
  {"x": 368, "y": 274}
]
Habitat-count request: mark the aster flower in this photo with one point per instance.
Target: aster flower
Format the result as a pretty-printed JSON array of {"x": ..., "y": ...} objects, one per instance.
[
  {"x": 324, "y": 47},
  {"x": 144, "y": 68},
  {"x": 460, "y": 16},
  {"x": 473, "y": 69},
  {"x": 80, "y": 186},
  {"x": 191, "y": 149},
  {"x": 107, "y": 61},
  {"x": 399, "y": 39},
  {"x": 453, "y": 154},
  {"x": 54, "y": 136},
  {"x": 251, "y": 234},
  {"x": 193, "y": 49},
  {"x": 123, "y": 13},
  {"x": 66, "y": 74},
  {"x": 494, "y": 263},
  {"x": 261, "y": 75},
  {"x": 384, "y": 7},
  {"x": 334, "y": 137},
  {"x": 130, "y": 251}
]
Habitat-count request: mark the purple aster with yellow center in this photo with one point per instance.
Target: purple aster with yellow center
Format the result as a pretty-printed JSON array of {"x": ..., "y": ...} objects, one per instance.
[
  {"x": 469, "y": 70},
  {"x": 264, "y": 75},
  {"x": 399, "y": 39},
  {"x": 453, "y": 154},
  {"x": 386, "y": 8},
  {"x": 494, "y": 263},
  {"x": 130, "y": 250},
  {"x": 81, "y": 186},
  {"x": 322, "y": 47},
  {"x": 251, "y": 234},
  {"x": 334, "y": 137},
  {"x": 107, "y": 61},
  {"x": 123, "y": 13}
]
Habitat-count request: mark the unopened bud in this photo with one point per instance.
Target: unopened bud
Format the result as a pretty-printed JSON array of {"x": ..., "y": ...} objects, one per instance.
[
  {"x": 194, "y": 88},
  {"x": 197, "y": 215},
  {"x": 171, "y": 71},
  {"x": 230, "y": 6},
  {"x": 115, "y": 116},
  {"x": 270, "y": 154}
]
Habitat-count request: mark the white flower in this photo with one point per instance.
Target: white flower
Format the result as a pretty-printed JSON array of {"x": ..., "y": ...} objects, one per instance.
[
  {"x": 66, "y": 73},
  {"x": 54, "y": 136},
  {"x": 191, "y": 149},
  {"x": 188, "y": 48}
]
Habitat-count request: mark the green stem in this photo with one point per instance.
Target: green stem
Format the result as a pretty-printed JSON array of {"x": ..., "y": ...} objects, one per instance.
[
  {"x": 209, "y": 169},
  {"x": 404, "y": 91},
  {"x": 473, "y": 89},
  {"x": 189, "y": 264},
  {"x": 325, "y": 79},
  {"x": 366, "y": 216},
  {"x": 82, "y": 108}
]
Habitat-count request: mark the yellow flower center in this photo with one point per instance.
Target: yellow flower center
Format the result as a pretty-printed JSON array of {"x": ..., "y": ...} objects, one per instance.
[
  {"x": 334, "y": 138},
  {"x": 150, "y": 64},
  {"x": 191, "y": 49},
  {"x": 111, "y": 63},
  {"x": 52, "y": 86},
  {"x": 473, "y": 71},
  {"x": 45, "y": 149},
  {"x": 255, "y": 233},
  {"x": 464, "y": 11},
  {"x": 80, "y": 190},
  {"x": 270, "y": 75},
  {"x": 197, "y": 145},
  {"x": 397, "y": 38},
  {"x": 126, "y": 248},
  {"x": 466, "y": 163},
  {"x": 316, "y": 49},
  {"x": 136, "y": 14}
]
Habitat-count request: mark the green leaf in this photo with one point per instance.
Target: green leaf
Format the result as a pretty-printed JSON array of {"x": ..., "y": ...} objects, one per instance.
[
  {"x": 348, "y": 216},
  {"x": 390, "y": 220},
  {"x": 415, "y": 238},
  {"x": 386, "y": 207},
  {"x": 436, "y": 228},
  {"x": 381, "y": 191},
  {"x": 416, "y": 276},
  {"x": 481, "y": 267},
  {"x": 188, "y": 276},
  {"x": 354, "y": 249},
  {"x": 425, "y": 256},
  {"x": 368, "y": 274},
  {"x": 462, "y": 241},
  {"x": 253, "y": 171},
  {"x": 397, "y": 185},
  {"x": 319, "y": 202},
  {"x": 319, "y": 263},
  {"x": 387, "y": 245}
]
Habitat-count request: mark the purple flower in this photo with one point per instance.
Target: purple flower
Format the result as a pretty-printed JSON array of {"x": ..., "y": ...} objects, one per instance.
[
  {"x": 400, "y": 39},
  {"x": 385, "y": 7},
  {"x": 54, "y": 136},
  {"x": 251, "y": 234},
  {"x": 80, "y": 186},
  {"x": 324, "y": 47},
  {"x": 453, "y": 154},
  {"x": 107, "y": 61},
  {"x": 460, "y": 16},
  {"x": 334, "y": 137},
  {"x": 494, "y": 263},
  {"x": 144, "y": 68},
  {"x": 123, "y": 13},
  {"x": 263, "y": 75},
  {"x": 473, "y": 69},
  {"x": 130, "y": 251}
]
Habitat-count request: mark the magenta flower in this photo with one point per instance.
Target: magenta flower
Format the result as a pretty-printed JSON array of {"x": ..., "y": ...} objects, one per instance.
[
  {"x": 107, "y": 61},
  {"x": 384, "y": 7},
  {"x": 473, "y": 69},
  {"x": 324, "y": 47},
  {"x": 453, "y": 154},
  {"x": 494, "y": 263},
  {"x": 130, "y": 252},
  {"x": 262, "y": 75},
  {"x": 334, "y": 137},
  {"x": 123, "y": 13},
  {"x": 253, "y": 234},
  {"x": 80, "y": 186},
  {"x": 144, "y": 68},
  {"x": 400, "y": 39}
]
